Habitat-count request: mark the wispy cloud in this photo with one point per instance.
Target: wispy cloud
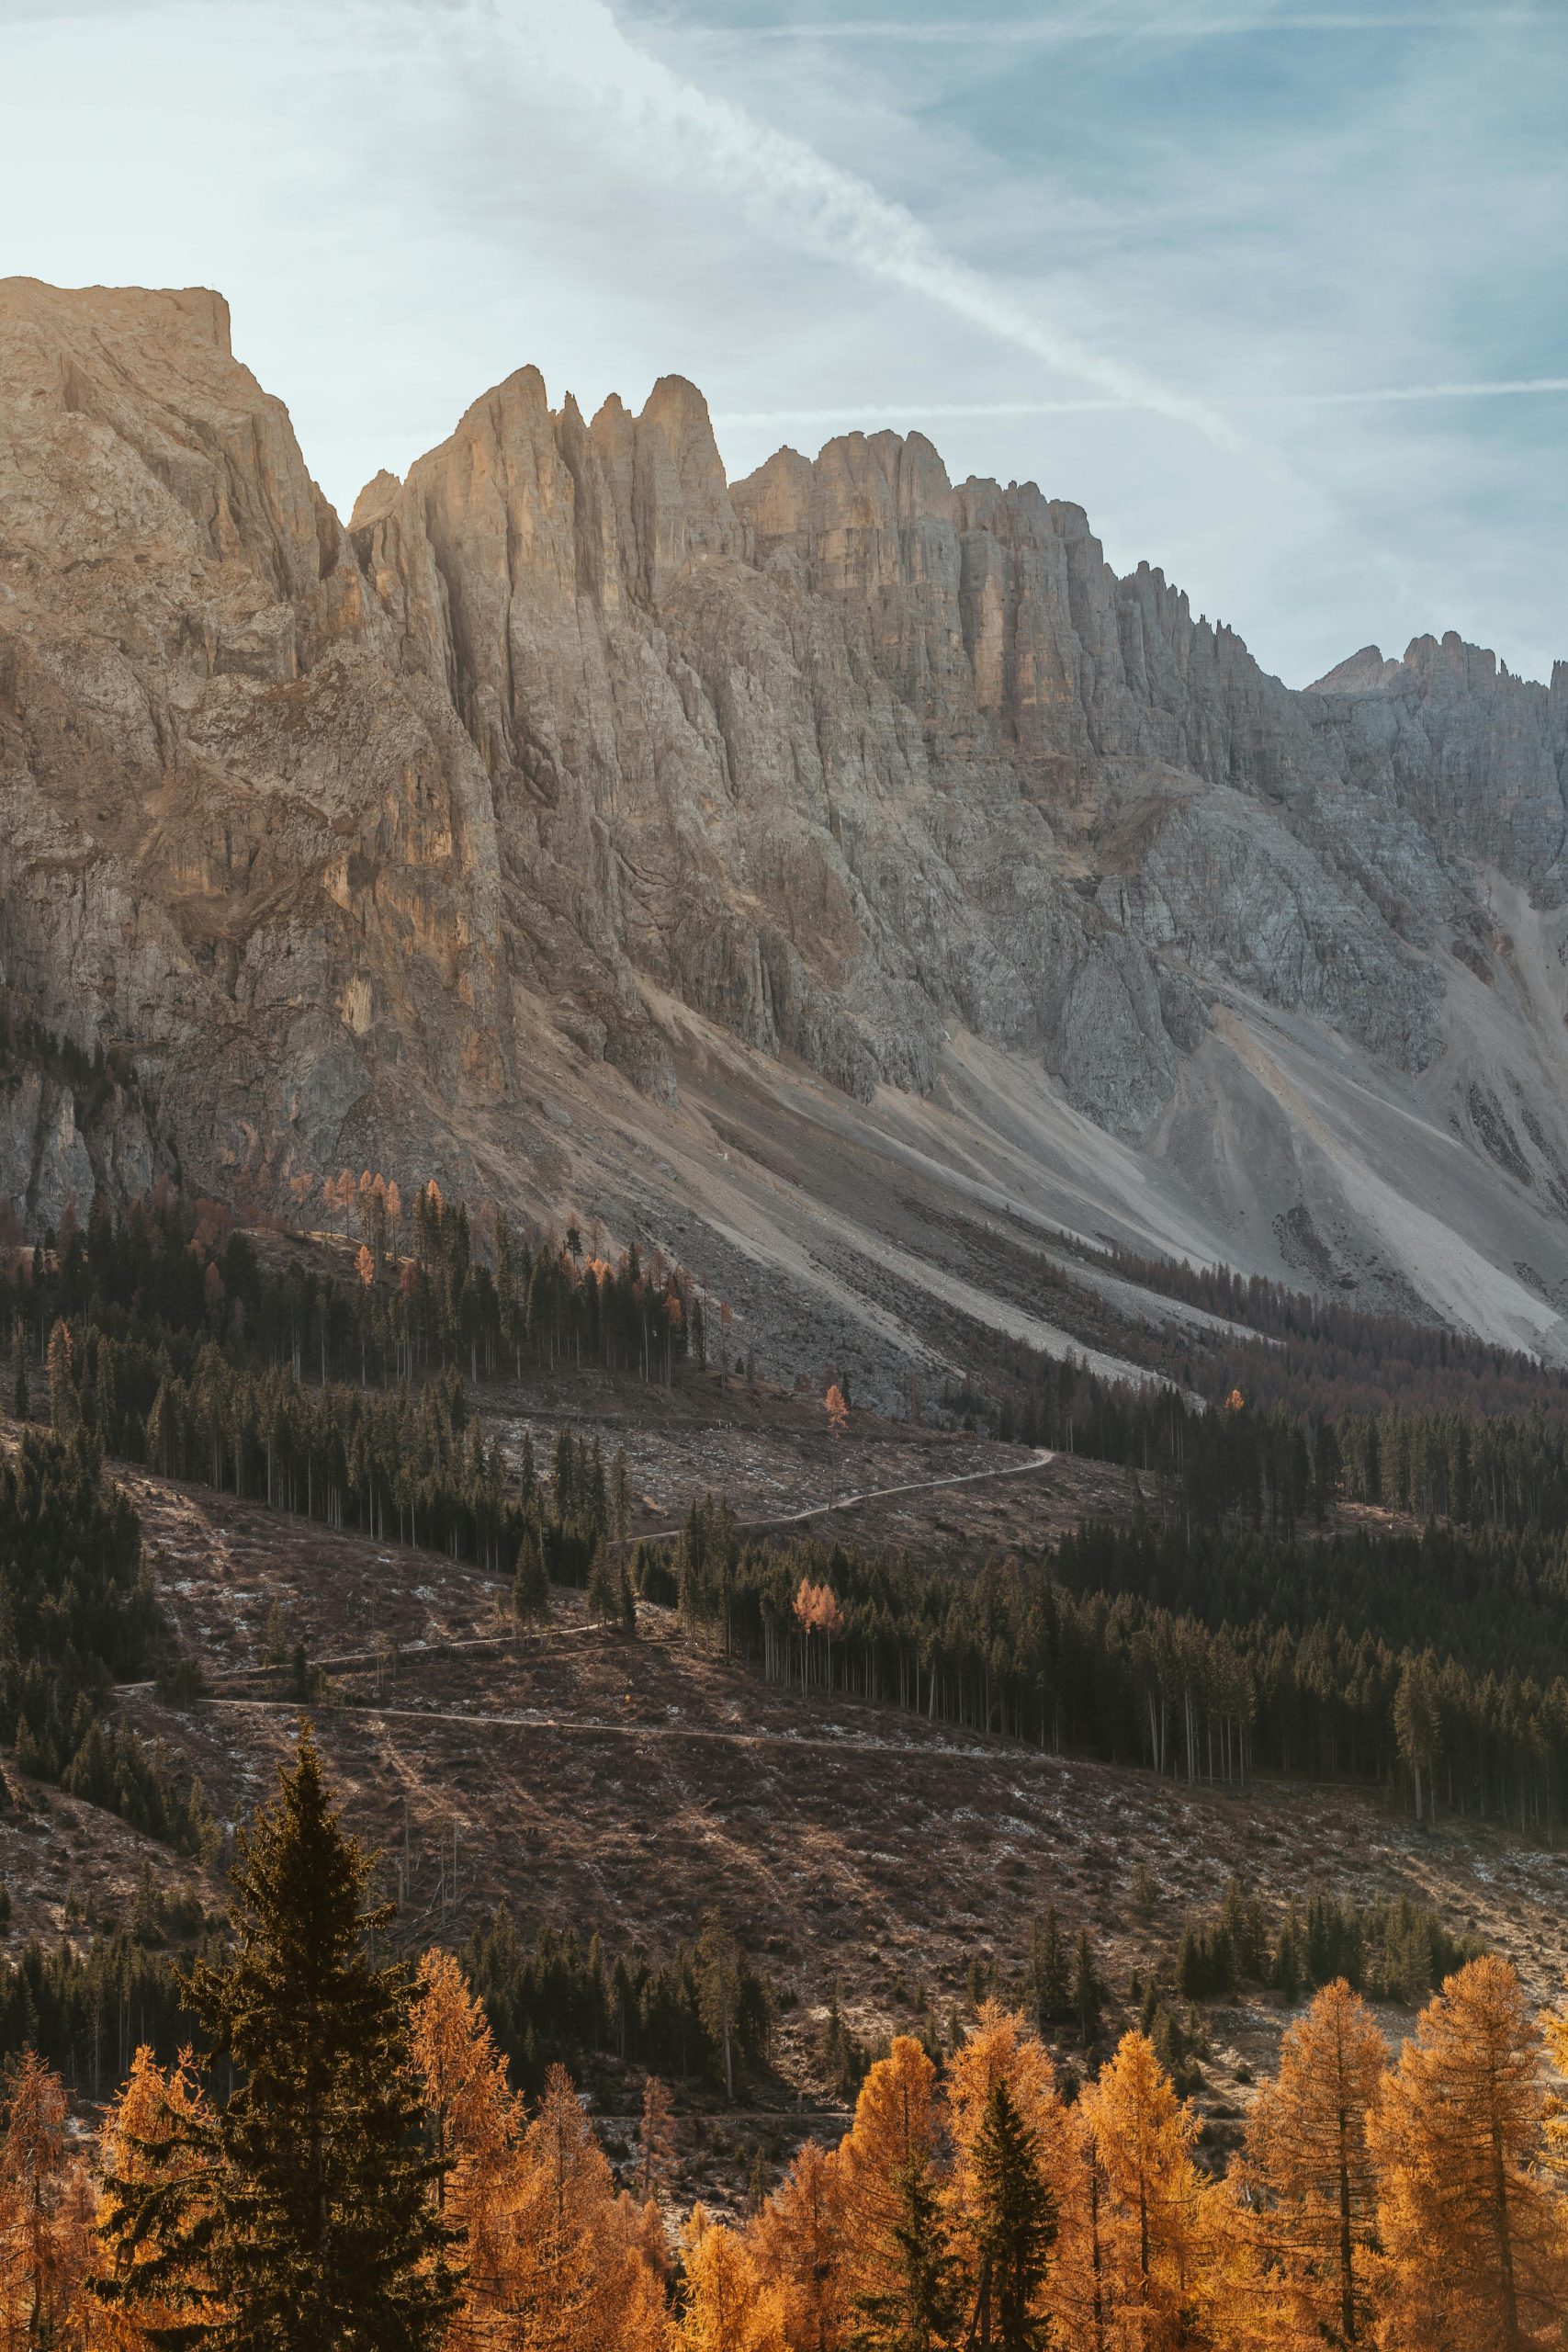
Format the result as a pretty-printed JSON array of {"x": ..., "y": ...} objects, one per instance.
[
  {"x": 1073, "y": 233},
  {"x": 1045, "y": 32},
  {"x": 1509, "y": 388},
  {"x": 881, "y": 412},
  {"x": 805, "y": 200}
]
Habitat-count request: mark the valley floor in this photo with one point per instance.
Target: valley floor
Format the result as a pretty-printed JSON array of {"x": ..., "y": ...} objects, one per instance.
[{"x": 624, "y": 1787}]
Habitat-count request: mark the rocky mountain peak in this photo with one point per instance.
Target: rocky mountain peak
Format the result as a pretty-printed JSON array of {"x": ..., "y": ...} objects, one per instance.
[
  {"x": 377, "y": 496},
  {"x": 567, "y": 745},
  {"x": 1358, "y": 673}
]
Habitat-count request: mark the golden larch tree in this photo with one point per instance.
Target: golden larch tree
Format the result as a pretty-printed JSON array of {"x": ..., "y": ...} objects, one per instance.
[
  {"x": 580, "y": 2276},
  {"x": 476, "y": 2122},
  {"x": 1159, "y": 2223},
  {"x": 895, "y": 2126},
  {"x": 798, "y": 2244},
  {"x": 43, "y": 2245},
  {"x": 152, "y": 2139},
  {"x": 1001, "y": 2048},
  {"x": 726, "y": 2304},
  {"x": 656, "y": 2141},
  {"x": 1474, "y": 2251},
  {"x": 1309, "y": 2167}
]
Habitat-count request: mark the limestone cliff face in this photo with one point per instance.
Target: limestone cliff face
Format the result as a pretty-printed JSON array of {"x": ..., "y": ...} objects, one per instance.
[
  {"x": 332, "y": 825},
  {"x": 226, "y": 839}
]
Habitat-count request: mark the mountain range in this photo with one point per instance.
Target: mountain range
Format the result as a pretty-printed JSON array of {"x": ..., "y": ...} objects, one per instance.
[{"x": 839, "y": 877}]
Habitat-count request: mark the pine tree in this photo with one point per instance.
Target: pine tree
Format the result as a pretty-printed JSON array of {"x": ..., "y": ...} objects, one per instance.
[
  {"x": 64, "y": 1407},
  {"x": 323, "y": 2228},
  {"x": 1000, "y": 2050},
  {"x": 1088, "y": 1993},
  {"x": 1287, "y": 1970},
  {"x": 915, "y": 2304},
  {"x": 1015, "y": 2230},
  {"x": 603, "y": 1595},
  {"x": 20, "y": 1403},
  {"x": 1050, "y": 1974},
  {"x": 1417, "y": 1725},
  {"x": 531, "y": 1587},
  {"x": 620, "y": 1500},
  {"x": 718, "y": 1991}
]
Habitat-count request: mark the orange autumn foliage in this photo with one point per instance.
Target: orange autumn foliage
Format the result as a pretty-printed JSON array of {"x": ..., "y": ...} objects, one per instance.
[
  {"x": 1161, "y": 2222},
  {"x": 46, "y": 2210},
  {"x": 799, "y": 2243},
  {"x": 726, "y": 2303},
  {"x": 1474, "y": 2244},
  {"x": 1308, "y": 2162},
  {"x": 1416, "y": 2209},
  {"x": 146, "y": 2140}
]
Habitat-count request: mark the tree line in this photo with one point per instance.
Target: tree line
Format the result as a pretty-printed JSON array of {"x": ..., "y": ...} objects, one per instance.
[
  {"x": 1397, "y": 1950},
  {"x": 78, "y": 1615},
  {"x": 126, "y": 1326},
  {"x": 1271, "y": 1464},
  {"x": 702, "y": 2014},
  {"x": 348, "y": 2166},
  {"x": 430, "y": 1286},
  {"x": 1315, "y": 1351},
  {"x": 1436, "y": 1667},
  {"x": 702, "y": 2011}
]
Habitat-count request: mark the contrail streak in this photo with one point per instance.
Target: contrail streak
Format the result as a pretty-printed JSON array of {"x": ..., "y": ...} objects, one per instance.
[
  {"x": 695, "y": 138},
  {"x": 882, "y": 412}
]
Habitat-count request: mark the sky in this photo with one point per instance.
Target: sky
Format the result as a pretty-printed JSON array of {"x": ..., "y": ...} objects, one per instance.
[{"x": 1279, "y": 293}]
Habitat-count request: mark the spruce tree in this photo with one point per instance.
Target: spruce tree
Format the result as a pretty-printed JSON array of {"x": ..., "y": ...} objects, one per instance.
[
  {"x": 1016, "y": 2229},
  {"x": 316, "y": 2224},
  {"x": 1050, "y": 1974},
  {"x": 64, "y": 1408},
  {"x": 917, "y": 2310},
  {"x": 621, "y": 1500},
  {"x": 603, "y": 1595},
  {"x": 718, "y": 1991},
  {"x": 1088, "y": 1993},
  {"x": 531, "y": 1587}
]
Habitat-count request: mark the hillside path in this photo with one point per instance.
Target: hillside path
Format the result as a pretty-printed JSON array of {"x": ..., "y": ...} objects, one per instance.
[
  {"x": 592, "y": 1728},
  {"x": 1038, "y": 1460}
]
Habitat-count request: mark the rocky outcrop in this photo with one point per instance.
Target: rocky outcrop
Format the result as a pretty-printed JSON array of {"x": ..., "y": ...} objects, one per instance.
[
  {"x": 339, "y": 830},
  {"x": 1476, "y": 758}
]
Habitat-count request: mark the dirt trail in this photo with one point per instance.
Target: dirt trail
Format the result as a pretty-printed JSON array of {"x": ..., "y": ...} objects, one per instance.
[
  {"x": 595, "y": 1727},
  {"x": 1037, "y": 1461}
]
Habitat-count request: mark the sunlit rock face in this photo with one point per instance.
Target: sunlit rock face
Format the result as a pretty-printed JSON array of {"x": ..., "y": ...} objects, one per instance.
[{"x": 344, "y": 833}]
